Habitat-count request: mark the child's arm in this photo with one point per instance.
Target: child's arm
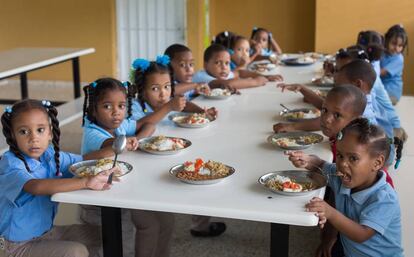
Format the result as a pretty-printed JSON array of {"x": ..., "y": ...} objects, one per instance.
[
  {"x": 306, "y": 125},
  {"x": 182, "y": 88},
  {"x": 309, "y": 95},
  {"x": 192, "y": 107},
  {"x": 239, "y": 83},
  {"x": 176, "y": 104},
  {"x": 383, "y": 72},
  {"x": 275, "y": 46},
  {"x": 252, "y": 74},
  {"x": 351, "y": 229},
  {"x": 53, "y": 186}
]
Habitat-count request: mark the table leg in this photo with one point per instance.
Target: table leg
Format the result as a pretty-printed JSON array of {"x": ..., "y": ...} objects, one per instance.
[
  {"x": 23, "y": 85},
  {"x": 76, "y": 77},
  {"x": 279, "y": 240},
  {"x": 111, "y": 232}
]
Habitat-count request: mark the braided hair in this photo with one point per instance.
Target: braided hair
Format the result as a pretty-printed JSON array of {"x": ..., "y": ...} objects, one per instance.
[
  {"x": 396, "y": 31},
  {"x": 97, "y": 89},
  {"x": 140, "y": 79},
  {"x": 269, "y": 36},
  {"x": 24, "y": 106},
  {"x": 374, "y": 137},
  {"x": 224, "y": 38}
]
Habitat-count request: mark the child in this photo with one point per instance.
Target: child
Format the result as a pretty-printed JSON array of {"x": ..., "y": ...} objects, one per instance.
[
  {"x": 392, "y": 62},
  {"x": 182, "y": 66},
  {"x": 217, "y": 71},
  {"x": 264, "y": 43},
  {"x": 30, "y": 172},
  {"x": 239, "y": 51},
  {"x": 367, "y": 213},
  {"x": 224, "y": 38},
  {"x": 156, "y": 93},
  {"x": 107, "y": 103}
]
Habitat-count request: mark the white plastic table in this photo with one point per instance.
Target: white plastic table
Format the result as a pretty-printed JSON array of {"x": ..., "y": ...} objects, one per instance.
[
  {"x": 20, "y": 61},
  {"x": 237, "y": 138}
]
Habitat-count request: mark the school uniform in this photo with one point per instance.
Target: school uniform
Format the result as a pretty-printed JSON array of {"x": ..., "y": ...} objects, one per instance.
[
  {"x": 369, "y": 111},
  {"x": 202, "y": 76},
  {"x": 394, "y": 64},
  {"x": 376, "y": 207},
  {"x": 26, "y": 225},
  {"x": 153, "y": 229},
  {"x": 266, "y": 52},
  {"x": 138, "y": 112}
]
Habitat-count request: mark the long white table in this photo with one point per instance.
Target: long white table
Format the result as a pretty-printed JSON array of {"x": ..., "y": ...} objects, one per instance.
[
  {"x": 20, "y": 61},
  {"x": 237, "y": 138}
]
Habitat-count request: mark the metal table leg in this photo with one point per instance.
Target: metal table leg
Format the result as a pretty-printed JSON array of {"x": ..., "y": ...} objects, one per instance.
[
  {"x": 111, "y": 232},
  {"x": 279, "y": 240},
  {"x": 23, "y": 85},
  {"x": 76, "y": 77}
]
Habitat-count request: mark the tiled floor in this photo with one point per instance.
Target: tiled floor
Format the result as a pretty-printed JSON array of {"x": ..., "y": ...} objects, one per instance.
[{"x": 242, "y": 238}]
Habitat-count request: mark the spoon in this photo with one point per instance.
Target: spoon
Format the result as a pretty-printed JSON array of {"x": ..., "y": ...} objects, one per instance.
[
  {"x": 118, "y": 146},
  {"x": 285, "y": 107}
]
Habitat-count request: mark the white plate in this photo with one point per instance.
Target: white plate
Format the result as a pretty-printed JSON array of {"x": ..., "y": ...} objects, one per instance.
[
  {"x": 174, "y": 117},
  {"x": 284, "y": 113},
  {"x": 218, "y": 97},
  {"x": 146, "y": 140},
  {"x": 174, "y": 170},
  {"x": 296, "y": 134},
  {"x": 74, "y": 168},
  {"x": 299, "y": 176}
]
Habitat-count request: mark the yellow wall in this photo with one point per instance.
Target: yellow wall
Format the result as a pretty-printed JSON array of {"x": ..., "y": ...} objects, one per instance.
[
  {"x": 292, "y": 22},
  {"x": 338, "y": 23},
  {"x": 196, "y": 29},
  {"x": 73, "y": 24}
]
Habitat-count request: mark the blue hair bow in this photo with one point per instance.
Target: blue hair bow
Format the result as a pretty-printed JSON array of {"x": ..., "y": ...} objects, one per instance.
[
  {"x": 125, "y": 84},
  {"x": 46, "y": 103},
  {"x": 141, "y": 64},
  {"x": 163, "y": 60},
  {"x": 8, "y": 109},
  {"x": 231, "y": 52},
  {"x": 94, "y": 84}
]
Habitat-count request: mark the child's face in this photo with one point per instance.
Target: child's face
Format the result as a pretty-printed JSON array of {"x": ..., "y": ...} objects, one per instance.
[
  {"x": 241, "y": 51},
  {"x": 396, "y": 45},
  {"x": 111, "y": 109},
  {"x": 336, "y": 113},
  {"x": 183, "y": 67},
  {"x": 219, "y": 65},
  {"x": 157, "y": 91},
  {"x": 31, "y": 130},
  {"x": 262, "y": 38},
  {"x": 355, "y": 162}
]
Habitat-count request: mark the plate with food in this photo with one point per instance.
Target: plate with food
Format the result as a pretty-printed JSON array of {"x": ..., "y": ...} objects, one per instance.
[
  {"x": 297, "y": 140},
  {"x": 325, "y": 81},
  {"x": 93, "y": 167},
  {"x": 218, "y": 93},
  {"x": 299, "y": 61},
  {"x": 163, "y": 145},
  {"x": 262, "y": 66},
  {"x": 300, "y": 114},
  {"x": 315, "y": 55},
  {"x": 322, "y": 92},
  {"x": 199, "y": 172},
  {"x": 190, "y": 120},
  {"x": 293, "y": 182}
]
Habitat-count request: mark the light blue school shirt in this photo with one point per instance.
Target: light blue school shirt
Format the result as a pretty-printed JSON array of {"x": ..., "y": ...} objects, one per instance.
[
  {"x": 25, "y": 216},
  {"x": 266, "y": 52},
  {"x": 203, "y": 77},
  {"x": 94, "y": 136},
  {"x": 394, "y": 64},
  {"x": 369, "y": 112},
  {"x": 189, "y": 95},
  {"x": 376, "y": 207},
  {"x": 139, "y": 113}
]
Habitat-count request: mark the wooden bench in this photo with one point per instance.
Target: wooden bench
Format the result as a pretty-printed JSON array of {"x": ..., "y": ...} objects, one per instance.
[{"x": 67, "y": 113}]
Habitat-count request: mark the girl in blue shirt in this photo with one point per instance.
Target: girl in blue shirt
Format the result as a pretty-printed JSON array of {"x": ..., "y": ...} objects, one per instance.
[
  {"x": 367, "y": 213},
  {"x": 263, "y": 43},
  {"x": 30, "y": 172},
  {"x": 392, "y": 62},
  {"x": 155, "y": 92}
]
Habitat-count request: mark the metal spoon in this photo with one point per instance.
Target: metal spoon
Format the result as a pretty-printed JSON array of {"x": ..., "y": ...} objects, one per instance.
[
  {"x": 118, "y": 146},
  {"x": 285, "y": 107}
]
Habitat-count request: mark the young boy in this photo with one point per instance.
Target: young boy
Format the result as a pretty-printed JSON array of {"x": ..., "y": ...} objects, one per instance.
[
  {"x": 182, "y": 65},
  {"x": 217, "y": 71}
]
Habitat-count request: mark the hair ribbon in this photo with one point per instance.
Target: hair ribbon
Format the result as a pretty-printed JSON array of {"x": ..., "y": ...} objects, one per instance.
[
  {"x": 141, "y": 64},
  {"x": 163, "y": 60},
  {"x": 8, "y": 109}
]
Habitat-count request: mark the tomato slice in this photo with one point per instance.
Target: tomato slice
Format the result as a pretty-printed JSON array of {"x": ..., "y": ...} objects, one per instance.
[{"x": 198, "y": 164}]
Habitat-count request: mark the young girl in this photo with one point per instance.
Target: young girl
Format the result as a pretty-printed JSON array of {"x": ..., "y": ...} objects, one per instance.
[
  {"x": 367, "y": 213},
  {"x": 155, "y": 88},
  {"x": 182, "y": 66},
  {"x": 240, "y": 53},
  {"x": 392, "y": 62},
  {"x": 107, "y": 104},
  {"x": 30, "y": 172},
  {"x": 264, "y": 43}
]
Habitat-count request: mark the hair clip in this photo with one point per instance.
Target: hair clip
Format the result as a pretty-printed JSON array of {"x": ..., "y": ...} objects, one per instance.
[
  {"x": 163, "y": 60},
  {"x": 125, "y": 84},
  {"x": 401, "y": 25},
  {"x": 226, "y": 33},
  {"x": 8, "y": 109},
  {"x": 46, "y": 103},
  {"x": 254, "y": 28},
  {"x": 397, "y": 163},
  {"x": 141, "y": 64},
  {"x": 94, "y": 84},
  {"x": 340, "y": 135},
  {"x": 231, "y": 52}
]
